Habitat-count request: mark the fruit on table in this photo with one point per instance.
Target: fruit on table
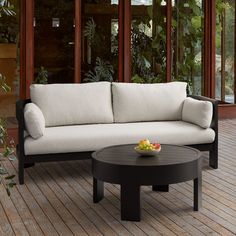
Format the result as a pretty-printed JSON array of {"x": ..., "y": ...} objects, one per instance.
[{"x": 145, "y": 144}]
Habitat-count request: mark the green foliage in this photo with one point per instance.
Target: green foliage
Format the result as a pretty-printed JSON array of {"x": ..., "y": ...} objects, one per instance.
[
  {"x": 103, "y": 71},
  {"x": 8, "y": 150},
  {"x": 151, "y": 80},
  {"x": 90, "y": 30},
  {"x": 42, "y": 77},
  {"x": 188, "y": 34},
  {"x": 8, "y": 24},
  {"x": 149, "y": 46},
  {"x": 3, "y": 84},
  {"x": 6, "y": 8}
]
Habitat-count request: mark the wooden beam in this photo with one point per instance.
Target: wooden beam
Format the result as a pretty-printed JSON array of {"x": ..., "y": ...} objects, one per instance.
[
  {"x": 29, "y": 47},
  {"x": 209, "y": 47},
  {"x": 223, "y": 55},
  {"x": 22, "y": 48},
  {"x": 78, "y": 43},
  {"x": 168, "y": 41},
  {"x": 234, "y": 52},
  {"x": 206, "y": 48},
  {"x": 227, "y": 111},
  {"x": 127, "y": 40},
  {"x": 212, "y": 47},
  {"x": 121, "y": 41}
]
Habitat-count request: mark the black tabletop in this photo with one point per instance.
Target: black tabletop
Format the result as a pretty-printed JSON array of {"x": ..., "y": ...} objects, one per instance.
[{"x": 126, "y": 155}]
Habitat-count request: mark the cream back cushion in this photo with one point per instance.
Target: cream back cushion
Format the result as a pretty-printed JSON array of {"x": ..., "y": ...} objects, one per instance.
[
  {"x": 197, "y": 112},
  {"x": 148, "y": 102},
  {"x": 70, "y": 104},
  {"x": 34, "y": 120}
]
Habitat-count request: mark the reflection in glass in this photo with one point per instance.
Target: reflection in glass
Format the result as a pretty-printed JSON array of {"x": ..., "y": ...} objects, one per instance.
[
  {"x": 9, "y": 64},
  {"x": 225, "y": 48},
  {"x": 100, "y": 41},
  {"x": 54, "y": 41},
  {"x": 148, "y": 43},
  {"x": 187, "y": 40}
]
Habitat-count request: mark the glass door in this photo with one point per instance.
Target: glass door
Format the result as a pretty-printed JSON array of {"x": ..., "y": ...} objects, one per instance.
[
  {"x": 148, "y": 41},
  {"x": 54, "y": 39},
  {"x": 9, "y": 63},
  {"x": 225, "y": 51},
  {"x": 187, "y": 43},
  {"x": 100, "y": 39}
]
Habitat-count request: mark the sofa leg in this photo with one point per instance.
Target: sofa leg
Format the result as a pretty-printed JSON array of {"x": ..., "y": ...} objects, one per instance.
[
  {"x": 28, "y": 165},
  {"x": 213, "y": 158},
  {"x": 21, "y": 173}
]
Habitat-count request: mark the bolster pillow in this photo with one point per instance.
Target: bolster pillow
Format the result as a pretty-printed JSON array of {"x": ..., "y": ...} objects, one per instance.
[
  {"x": 197, "y": 112},
  {"x": 34, "y": 120}
]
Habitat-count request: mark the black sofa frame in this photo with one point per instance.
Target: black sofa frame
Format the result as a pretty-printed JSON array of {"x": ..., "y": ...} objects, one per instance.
[{"x": 25, "y": 161}]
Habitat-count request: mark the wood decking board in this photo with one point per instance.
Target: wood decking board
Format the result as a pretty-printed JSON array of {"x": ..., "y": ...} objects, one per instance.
[{"x": 57, "y": 200}]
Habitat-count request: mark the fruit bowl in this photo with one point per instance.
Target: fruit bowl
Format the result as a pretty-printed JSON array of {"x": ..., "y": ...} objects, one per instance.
[
  {"x": 146, "y": 148},
  {"x": 149, "y": 153}
]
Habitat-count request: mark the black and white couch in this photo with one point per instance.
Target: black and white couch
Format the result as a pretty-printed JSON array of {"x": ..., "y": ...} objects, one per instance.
[{"x": 69, "y": 121}]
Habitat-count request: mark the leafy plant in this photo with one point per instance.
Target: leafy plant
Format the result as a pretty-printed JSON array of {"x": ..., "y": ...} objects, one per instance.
[
  {"x": 42, "y": 77},
  {"x": 8, "y": 150},
  {"x": 8, "y": 145},
  {"x": 6, "y": 8},
  {"x": 187, "y": 39},
  {"x": 151, "y": 80},
  {"x": 3, "y": 84},
  {"x": 103, "y": 71},
  {"x": 8, "y": 27},
  {"x": 90, "y": 30},
  {"x": 148, "y": 37}
]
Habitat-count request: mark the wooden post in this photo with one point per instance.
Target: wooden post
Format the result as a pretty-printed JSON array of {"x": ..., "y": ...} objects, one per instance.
[
  {"x": 121, "y": 41},
  {"x": 29, "y": 45},
  {"x": 127, "y": 40},
  {"x": 78, "y": 35},
  {"x": 168, "y": 40}
]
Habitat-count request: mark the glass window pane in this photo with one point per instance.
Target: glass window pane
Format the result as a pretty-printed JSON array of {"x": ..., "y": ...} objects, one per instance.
[
  {"x": 148, "y": 41},
  {"x": 225, "y": 51},
  {"x": 187, "y": 25},
  {"x": 9, "y": 63},
  {"x": 54, "y": 41},
  {"x": 100, "y": 41}
]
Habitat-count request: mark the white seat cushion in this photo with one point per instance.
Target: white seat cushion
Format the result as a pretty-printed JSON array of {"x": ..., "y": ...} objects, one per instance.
[
  {"x": 70, "y": 104},
  {"x": 93, "y": 137},
  {"x": 34, "y": 120},
  {"x": 148, "y": 102},
  {"x": 197, "y": 112}
]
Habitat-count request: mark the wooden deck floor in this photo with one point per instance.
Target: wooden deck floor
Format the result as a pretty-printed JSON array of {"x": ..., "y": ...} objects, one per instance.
[{"x": 57, "y": 200}]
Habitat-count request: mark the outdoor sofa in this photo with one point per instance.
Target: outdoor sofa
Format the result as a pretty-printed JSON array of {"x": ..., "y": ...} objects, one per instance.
[{"x": 69, "y": 121}]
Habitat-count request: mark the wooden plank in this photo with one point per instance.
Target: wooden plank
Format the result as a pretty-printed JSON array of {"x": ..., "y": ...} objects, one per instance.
[
  {"x": 12, "y": 214},
  {"x": 58, "y": 206},
  {"x": 74, "y": 210},
  {"x": 5, "y": 225},
  {"x": 181, "y": 224},
  {"x": 81, "y": 200},
  {"x": 80, "y": 187},
  {"x": 19, "y": 203},
  {"x": 43, "y": 221},
  {"x": 108, "y": 206},
  {"x": 57, "y": 200}
]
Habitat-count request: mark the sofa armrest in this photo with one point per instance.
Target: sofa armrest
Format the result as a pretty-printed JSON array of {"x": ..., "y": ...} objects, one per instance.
[
  {"x": 213, "y": 160},
  {"x": 20, "y": 105},
  {"x": 214, "y": 122}
]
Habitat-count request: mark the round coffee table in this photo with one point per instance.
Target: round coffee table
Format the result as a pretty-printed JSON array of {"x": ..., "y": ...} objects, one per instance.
[{"x": 122, "y": 165}]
